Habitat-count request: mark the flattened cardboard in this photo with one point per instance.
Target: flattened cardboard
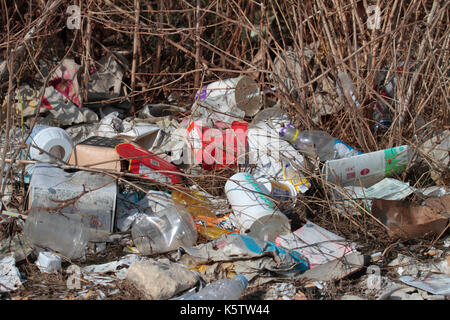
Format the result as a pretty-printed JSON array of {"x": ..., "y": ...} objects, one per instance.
[
  {"x": 406, "y": 221},
  {"x": 95, "y": 150}
]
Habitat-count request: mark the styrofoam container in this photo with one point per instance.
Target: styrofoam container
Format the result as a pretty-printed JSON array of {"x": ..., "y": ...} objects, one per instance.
[
  {"x": 48, "y": 262},
  {"x": 230, "y": 99},
  {"x": 253, "y": 211},
  {"x": 53, "y": 140}
]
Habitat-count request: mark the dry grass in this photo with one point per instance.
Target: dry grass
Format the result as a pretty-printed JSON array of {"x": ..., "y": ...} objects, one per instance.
[{"x": 178, "y": 46}]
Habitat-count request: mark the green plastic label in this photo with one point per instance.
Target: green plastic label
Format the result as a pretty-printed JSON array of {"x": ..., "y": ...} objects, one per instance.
[{"x": 395, "y": 160}]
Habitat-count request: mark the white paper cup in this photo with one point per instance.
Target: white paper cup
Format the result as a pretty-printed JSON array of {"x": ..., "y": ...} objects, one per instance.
[
  {"x": 230, "y": 99},
  {"x": 253, "y": 211}
]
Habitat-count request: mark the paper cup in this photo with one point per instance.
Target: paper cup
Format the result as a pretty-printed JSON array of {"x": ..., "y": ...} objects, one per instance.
[
  {"x": 232, "y": 99},
  {"x": 253, "y": 211}
]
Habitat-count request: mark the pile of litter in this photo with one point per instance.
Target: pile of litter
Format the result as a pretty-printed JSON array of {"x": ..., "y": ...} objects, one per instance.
[{"x": 217, "y": 195}]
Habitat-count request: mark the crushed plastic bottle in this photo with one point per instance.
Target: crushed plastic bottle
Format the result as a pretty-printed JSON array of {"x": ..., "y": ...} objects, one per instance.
[
  {"x": 164, "y": 231},
  {"x": 317, "y": 142},
  {"x": 223, "y": 289}
]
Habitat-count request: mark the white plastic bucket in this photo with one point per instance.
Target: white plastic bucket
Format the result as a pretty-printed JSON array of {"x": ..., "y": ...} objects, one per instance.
[
  {"x": 253, "y": 211},
  {"x": 230, "y": 99},
  {"x": 53, "y": 140}
]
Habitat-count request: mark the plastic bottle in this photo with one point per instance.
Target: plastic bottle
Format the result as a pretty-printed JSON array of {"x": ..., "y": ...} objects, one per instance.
[
  {"x": 60, "y": 232},
  {"x": 310, "y": 142},
  {"x": 194, "y": 202},
  {"x": 164, "y": 231},
  {"x": 224, "y": 289},
  {"x": 318, "y": 142},
  {"x": 349, "y": 88}
]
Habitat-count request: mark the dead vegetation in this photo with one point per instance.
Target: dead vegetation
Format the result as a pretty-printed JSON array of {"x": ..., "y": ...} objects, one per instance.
[{"x": 175, "y": 47}]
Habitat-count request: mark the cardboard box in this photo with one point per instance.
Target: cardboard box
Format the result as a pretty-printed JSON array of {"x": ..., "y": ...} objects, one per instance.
[{"x": 97, "y": 152}]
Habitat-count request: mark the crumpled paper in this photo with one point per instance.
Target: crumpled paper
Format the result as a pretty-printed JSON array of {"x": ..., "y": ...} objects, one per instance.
[
  {"x": 65, "y": 81},
  {"x": 106, "y": 81},
  {"x": 245, "y": 255},
  {"x": 98, "y": 273},
  {"x": 147, "y": 135},
  {"x": 70, "y": 114},
  {"x": 26, "y": 101},
  {"x": 317, "y": 244},
  {"x": 9, "y": 275}
]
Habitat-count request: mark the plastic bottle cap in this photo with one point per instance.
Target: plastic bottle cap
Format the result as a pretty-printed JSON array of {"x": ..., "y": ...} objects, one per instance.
[{"x": 242, "y": 279}]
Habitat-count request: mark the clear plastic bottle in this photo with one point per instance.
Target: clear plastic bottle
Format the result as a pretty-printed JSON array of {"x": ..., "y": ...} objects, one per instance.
[
  {"x": 164, "y": 231},
  {"x": 316, "y": 142},
  {"x": 310, "y": 142},
  {"x": 63, "y": 233},
  {"x": 224, "y": 289}
]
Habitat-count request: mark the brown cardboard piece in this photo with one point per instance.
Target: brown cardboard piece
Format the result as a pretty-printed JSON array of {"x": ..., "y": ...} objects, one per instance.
[
  {"x": 406, "y": 221},
  {"x": 95, "y": 150}
]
